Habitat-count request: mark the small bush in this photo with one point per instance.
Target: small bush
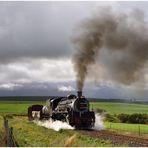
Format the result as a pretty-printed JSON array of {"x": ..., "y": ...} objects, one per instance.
[
  {"x": 111, "y": 118},
  {"x": 138, "y": 118},
  {"x": 133, "y": 118},
  {"x": 126, "y": 118}
]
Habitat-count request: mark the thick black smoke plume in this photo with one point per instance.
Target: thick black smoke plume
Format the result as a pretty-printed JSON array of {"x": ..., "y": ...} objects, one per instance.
[{"x": 123, "y": 36}]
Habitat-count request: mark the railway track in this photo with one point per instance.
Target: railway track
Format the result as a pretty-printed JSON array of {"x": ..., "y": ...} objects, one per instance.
[{"x": 116, "y": 138}]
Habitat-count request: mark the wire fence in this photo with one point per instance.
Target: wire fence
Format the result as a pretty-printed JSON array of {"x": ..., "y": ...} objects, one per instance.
[
  {"x": 138, "y": 129},
  {"x": 9, "y": 138}
]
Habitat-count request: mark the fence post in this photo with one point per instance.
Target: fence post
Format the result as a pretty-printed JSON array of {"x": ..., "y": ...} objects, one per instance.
[
  {"x": 6, "y": 131},
  {"x": 139, "y": 130},
  {"x": 9, "y": 138}
]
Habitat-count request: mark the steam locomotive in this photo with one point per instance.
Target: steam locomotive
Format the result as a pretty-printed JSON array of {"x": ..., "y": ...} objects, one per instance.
[{"x": 71, "y": 109}]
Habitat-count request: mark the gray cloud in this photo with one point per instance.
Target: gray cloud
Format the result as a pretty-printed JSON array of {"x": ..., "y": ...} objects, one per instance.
[
  {"x": 42, "y": 29},
  {"x": 35, "y": 44},
  {"x": 33, "y": 29},
  {"x": 38, "y": 29},
  {"x": 39, "y": 70},
  {"x": 52, "y": 89}
]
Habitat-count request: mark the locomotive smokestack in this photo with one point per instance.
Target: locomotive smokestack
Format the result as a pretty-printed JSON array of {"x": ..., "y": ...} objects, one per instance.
[{"x": 79, "y": 93}]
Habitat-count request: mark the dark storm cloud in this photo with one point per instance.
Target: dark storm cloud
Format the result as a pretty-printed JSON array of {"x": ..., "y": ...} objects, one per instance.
[
  {"x": 35, "y": 46},
  {"x": 34, "y": 89},
  {"x": 51, "y": 89},
  {"x": 35, "y": 29}
]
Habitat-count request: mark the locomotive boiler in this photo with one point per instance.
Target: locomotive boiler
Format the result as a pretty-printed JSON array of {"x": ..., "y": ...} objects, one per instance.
[{"x": 72, "y": 109}]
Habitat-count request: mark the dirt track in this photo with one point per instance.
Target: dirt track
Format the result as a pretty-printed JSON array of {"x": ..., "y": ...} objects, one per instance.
[{"x": 118, "y": 139}]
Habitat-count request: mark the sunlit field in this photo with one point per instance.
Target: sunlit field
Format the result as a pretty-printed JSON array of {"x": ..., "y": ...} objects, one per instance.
[
  {"x": 20, "y": 107},
  {"x": 17, "y": 107},
  {"x": 29, "y": 134},
  {"x": 117, "y": 108},
  {"x": 138, "y": 129}
]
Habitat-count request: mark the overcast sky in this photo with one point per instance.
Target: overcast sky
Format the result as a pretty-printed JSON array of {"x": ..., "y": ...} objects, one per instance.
[{"x": 36, "y": 49}]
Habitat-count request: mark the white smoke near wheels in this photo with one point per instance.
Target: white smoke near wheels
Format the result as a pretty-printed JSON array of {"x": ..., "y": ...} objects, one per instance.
[
  {"x": 98, "y": 122},
  {"x": 55, "y": 125}
]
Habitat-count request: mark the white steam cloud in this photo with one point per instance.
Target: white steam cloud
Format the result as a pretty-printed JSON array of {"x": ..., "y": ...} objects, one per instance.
[
  {"x": 98, "y": 122},
  {"x": 55, "y": 125}
]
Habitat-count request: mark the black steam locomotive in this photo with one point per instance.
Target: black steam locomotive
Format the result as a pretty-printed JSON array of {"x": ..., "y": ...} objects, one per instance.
[{"x": 72, "y": 109}]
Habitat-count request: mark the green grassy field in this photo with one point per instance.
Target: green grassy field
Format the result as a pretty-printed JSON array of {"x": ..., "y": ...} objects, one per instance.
[
  {"x": 24, "y": 138},
  {"x": 20, "y": 107},
  {"x": 1, "y": 132},
  {"x": 139, "y": 129},
  {"x": 29, "y": 134},
  {"x": 117, "y": 108}
]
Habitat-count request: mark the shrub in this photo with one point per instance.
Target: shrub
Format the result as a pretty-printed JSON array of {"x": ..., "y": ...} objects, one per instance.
[
  {"x": 111, "y": 118},
  {"x": 124, "y": 118},
  {"x": 133, "y": 118},
  {"x": 138, "y": 118}
]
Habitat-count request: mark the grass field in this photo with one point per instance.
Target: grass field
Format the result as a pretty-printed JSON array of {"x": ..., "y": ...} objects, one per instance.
[
  {"x": 20, "y": 107},
  {"x": 1, "y": 131},
  {"x": 28, "y": 134},
  {"x": 24, "y": 134},
  {"x": 117, "y": 108},
  {"x": 139, "y": 129}
]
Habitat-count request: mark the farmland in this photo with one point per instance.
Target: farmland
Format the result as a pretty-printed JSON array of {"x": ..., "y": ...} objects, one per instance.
[
  {"x": 30, "y": 134},
  {"x": 117, "y": 108},
  {"x": 20, "y": 107},
  {"x": 139, "y": 129},
  {"x": 49, "y": 137},
  {"x": 17, "y": 107},
  {"x": 44, "y": 137},
  {"x": 1, "y": 132}
]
